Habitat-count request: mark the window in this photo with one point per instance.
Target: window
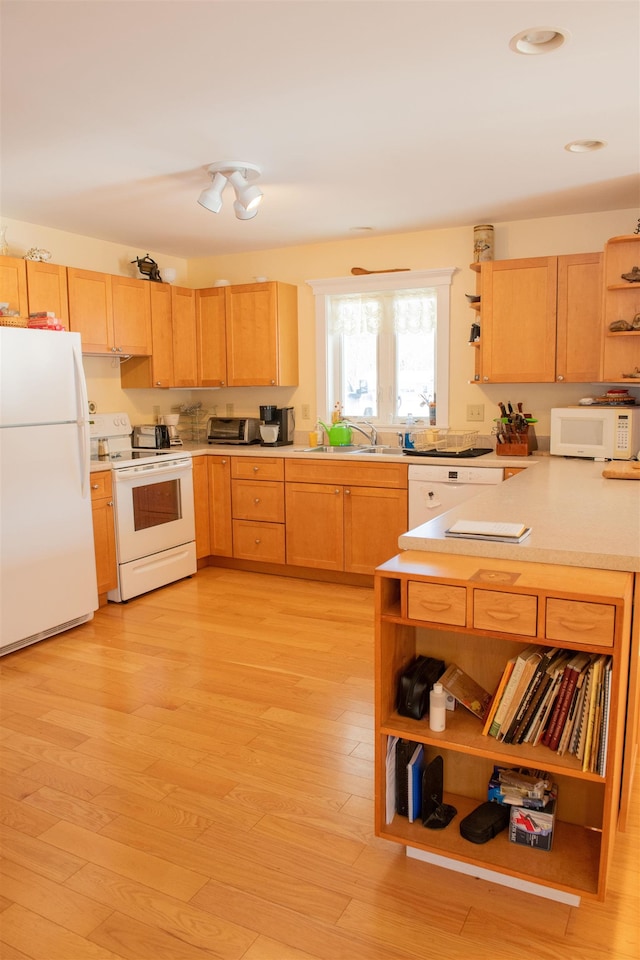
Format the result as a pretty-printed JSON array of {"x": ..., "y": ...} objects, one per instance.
[{"x": 383, "y": 345}]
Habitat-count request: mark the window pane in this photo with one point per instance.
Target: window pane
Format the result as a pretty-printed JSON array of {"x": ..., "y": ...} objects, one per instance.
[
  {"x": 360, "y": 376},
  {"x": 415, "y": 372}
]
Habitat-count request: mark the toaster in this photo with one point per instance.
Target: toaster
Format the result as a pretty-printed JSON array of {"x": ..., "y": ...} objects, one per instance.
[
  {"x": 151, "y": 436},
  {"x": 233, "y": 430}
]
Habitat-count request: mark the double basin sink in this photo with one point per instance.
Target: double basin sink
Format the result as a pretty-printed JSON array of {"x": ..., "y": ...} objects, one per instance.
[{"x": 381, "y": 448}]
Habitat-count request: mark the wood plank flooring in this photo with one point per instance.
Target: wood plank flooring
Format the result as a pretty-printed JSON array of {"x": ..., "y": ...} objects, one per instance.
[{"x": 190, "y": 775}]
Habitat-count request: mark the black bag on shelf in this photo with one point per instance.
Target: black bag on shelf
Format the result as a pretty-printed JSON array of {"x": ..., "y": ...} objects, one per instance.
[
  {"x": 414, "y": 685},
  {"x": 485, "y": 822}
]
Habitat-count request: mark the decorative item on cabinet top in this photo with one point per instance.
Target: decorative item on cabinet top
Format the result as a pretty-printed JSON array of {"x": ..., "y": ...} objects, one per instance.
[
  {"x": 38, "y": 254},
  {"x": 148, "y": 268}
]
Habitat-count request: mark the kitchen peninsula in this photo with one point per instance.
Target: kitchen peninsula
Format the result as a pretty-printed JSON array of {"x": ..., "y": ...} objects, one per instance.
[{"x": 574, "y": 584}]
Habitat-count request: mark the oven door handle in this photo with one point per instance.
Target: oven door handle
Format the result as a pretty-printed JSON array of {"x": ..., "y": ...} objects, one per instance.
[{"x": 151, "y": 469}]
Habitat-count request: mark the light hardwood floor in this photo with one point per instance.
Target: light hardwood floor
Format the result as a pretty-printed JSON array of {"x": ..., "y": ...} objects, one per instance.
[{"x": 190, "y": 776}]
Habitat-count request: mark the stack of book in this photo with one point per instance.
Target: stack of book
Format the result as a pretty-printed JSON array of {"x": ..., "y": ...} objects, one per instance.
[
  {"x": 558, "y": 698},
  {"x": 44, "y": 320}
]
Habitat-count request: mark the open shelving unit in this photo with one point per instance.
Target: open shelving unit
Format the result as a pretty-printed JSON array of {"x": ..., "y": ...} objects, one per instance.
[
  {"x": 416, "y": 593},
  {"x": 621, "y": 301}
]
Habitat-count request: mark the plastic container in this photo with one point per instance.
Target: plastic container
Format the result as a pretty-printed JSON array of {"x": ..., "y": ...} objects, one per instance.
[{"x": 437, "y": 708}]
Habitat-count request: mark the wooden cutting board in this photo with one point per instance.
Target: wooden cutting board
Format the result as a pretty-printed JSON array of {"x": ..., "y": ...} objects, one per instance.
[{"x": 623, "y": 471}]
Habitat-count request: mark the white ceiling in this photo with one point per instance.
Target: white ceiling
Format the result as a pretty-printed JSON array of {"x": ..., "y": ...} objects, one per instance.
[{"x": 394, "y": 115}]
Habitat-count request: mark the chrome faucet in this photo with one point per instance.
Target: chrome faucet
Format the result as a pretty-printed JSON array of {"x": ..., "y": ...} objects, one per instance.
[{"x": 373, "y": 439}]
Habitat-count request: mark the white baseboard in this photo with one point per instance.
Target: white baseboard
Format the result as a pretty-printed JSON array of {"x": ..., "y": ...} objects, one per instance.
[{"x": 471, "y": 870}]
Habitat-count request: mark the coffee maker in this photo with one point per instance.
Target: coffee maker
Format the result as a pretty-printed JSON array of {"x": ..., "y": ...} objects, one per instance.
[{"x": 284, "y": 419}]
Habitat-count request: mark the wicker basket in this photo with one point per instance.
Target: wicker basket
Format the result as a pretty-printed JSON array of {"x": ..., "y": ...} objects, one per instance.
[{"x": 13, "y": 322}]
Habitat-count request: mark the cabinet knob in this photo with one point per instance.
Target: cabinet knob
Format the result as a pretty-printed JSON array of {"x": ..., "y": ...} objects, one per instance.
[
  {"x": 95, "y": 486},
  {"x": 158, "y": 383},
  {"x": 257, "y": 540},
  {"x": 347, "y": 491},
  {"x": 255, "y": 469},
  {"x": 256, "y": 499},
  {"x": 486, "y": 379},
  {"x": 273, "y": 383},
  {"x": 560, "y": 377},
  {"x": 224, "y": 461},
  {"x": 110, "y": 504},
  {"x": 337, "y": 490}
]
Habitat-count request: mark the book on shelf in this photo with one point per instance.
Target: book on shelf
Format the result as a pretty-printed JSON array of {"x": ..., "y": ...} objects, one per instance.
[
  {"x": 563, "y": 700},
  {"x": 541, "y": 683},
  {"x": 415, "y": 769},
  {"x": 596, "y": 667},
  {"x": 466, "y": 691},
  {"x": 495, "y": 702},
  {"x": 390, "y": 771},
  {"x": 573, "y": 712},
  {"x": 524, "y": 692},
  {"x": 604, "y": 735},
  {"x": 489, "y": 530},
  {"x": 404, "y": 752},
  {"x": 509, "y": 691},
  {"x": 582, "y": 722},
  {"x": 538, "y": 727}
]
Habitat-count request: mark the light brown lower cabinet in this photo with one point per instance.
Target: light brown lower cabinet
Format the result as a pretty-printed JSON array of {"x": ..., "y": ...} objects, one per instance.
[
  {"x": 478, "y": 613},
  {"x": 104, "y": 534},
  {"x": 201, "y": 506},
  {"x": 257, "y": 507},
  {"x": 220, "y": 528},
  {"x": 343, "y": 516}
]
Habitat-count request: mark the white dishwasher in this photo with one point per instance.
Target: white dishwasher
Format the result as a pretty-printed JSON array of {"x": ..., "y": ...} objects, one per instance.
[{"x": 435, "y": 489}]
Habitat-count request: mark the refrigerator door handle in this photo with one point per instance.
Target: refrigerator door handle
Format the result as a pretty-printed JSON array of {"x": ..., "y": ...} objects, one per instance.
[{"x": 82, "y": 406}]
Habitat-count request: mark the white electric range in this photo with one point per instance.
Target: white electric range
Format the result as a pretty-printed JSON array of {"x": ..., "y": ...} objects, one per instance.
[{"x": 154, "y": 512}]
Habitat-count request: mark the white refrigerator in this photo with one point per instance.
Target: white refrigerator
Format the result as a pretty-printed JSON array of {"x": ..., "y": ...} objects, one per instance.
[{"x": 47, "y": 561}]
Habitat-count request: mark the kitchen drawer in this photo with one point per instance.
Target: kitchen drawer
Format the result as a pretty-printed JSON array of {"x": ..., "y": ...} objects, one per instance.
[
  {"x": 437, "y": 602},
  {"x": 258, "y": 541},
  {"x": 576, "y": 621},
  {"x": 100, "y": 484},
  {"x": 257, "y": 500},
  {"x": 257, "y": 468},
  {"x": 505, "y": 612}
]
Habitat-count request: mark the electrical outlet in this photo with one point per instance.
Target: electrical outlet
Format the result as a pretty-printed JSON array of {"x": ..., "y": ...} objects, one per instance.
[
  {"x": 475, "y": 411},
  {"x": 229, "y": 409},
  {"x": 306, "y": 411}
]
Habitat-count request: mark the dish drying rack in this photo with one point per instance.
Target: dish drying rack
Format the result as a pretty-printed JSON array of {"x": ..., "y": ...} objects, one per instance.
[{"x": 451, "y": 441}]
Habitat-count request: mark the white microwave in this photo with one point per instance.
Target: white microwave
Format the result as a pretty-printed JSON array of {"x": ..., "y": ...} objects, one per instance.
[{"x": 596, "y": 433}]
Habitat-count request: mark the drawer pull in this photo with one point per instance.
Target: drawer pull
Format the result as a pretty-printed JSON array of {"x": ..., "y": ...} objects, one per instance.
[
  {"x": 255, "y": 469},
  {"x": 432, "y": 605},
  {"x": 502, "y": 615},
  {"x": 256, "y": 499},
  {"x": 578, "y": 625},
  {"x": 257, "y": 540},
  {"x": 95, "y": 486}
]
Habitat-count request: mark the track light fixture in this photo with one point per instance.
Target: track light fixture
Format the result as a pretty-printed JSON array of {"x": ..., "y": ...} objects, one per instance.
[{"x": 238, "y": 174}]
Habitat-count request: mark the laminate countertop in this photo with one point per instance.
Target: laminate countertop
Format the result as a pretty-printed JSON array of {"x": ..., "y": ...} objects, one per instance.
[{"x": 577, "y": 517}]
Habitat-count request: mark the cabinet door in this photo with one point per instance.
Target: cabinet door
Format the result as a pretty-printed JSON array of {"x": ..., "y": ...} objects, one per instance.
[
  {"x": 315, "y": 525},
  {"x": 374, "y": 518},
  {"x": 251, "y": 327},
  {"x": 519, "y": 320},
  {"x": 104, "y": 536},
  {"x": 579, "y": 319},
  {"x": 47, "y": 289},
  {"x": 161, "y": 335},
  {"x": 183, "y": 310},
  {"x": 13, "y": 284},
  {"x": 201, "y": 506},
  {"x": 131, "y": 316},
  {"x": 91, "y": 309},
  {"x": 220, "y": 529},
  {"x": 211, "y": 337}
]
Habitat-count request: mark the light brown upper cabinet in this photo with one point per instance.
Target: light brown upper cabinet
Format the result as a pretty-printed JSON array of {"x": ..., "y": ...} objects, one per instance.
[
  {"x": 621, "y": 352},
  {"x": 212, "y": 337},
  {"x": 183, "y": 318},
  {"x": 47, "y": 289},
  {"x": 13, "y": 284},
  {"x": 540, "y": 320},
  {"x": 157, "y": 369},
  {"x": 261, "y": 325},
  {"x": 112, "y": 314}
]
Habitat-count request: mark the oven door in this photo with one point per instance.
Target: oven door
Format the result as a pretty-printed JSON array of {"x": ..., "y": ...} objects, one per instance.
[{"x": 154, "y": 507}]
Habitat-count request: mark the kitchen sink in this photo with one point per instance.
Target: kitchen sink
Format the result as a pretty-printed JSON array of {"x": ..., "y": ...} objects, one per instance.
[
  {"x": 396, "y": 451},
  {"x": 343, "y": 449}
]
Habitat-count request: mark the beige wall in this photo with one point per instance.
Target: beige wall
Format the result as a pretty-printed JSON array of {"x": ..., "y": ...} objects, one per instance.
[{"x": 421, "y": 250}]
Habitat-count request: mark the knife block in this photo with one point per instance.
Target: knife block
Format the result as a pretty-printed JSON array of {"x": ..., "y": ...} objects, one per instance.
[{"x": 519, "y": 449}]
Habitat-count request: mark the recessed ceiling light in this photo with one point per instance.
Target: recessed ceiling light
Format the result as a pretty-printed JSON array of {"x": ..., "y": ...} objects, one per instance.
[
  {"x": 361, "y": 229},
  {"x": 537, "y": 40},
  {"x": 585, "y": 146}
]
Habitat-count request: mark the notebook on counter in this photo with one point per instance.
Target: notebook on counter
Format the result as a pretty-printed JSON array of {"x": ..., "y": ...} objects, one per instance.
[{"x": 489, "y": 530}]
